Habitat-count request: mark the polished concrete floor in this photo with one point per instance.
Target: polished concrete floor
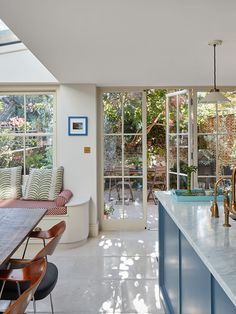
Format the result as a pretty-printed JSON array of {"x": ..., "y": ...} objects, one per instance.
[{"x": 117, "y": 272}]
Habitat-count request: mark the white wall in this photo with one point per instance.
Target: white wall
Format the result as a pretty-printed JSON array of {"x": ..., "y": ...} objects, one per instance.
[{"x": 80, "y": 169}]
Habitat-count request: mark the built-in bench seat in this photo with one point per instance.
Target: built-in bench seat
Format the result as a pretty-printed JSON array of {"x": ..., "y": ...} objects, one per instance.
[
  {"x": 43, "y": 188},
  {"x": 53, "y": 209},
  {"x": 75, "y": 213}
]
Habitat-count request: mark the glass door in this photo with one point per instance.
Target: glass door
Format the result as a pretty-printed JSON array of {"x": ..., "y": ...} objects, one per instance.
[
  {"x": 124, "y": 160},
  {"x": 216, "y": 140},
  {"x": 178, "y": 137}
]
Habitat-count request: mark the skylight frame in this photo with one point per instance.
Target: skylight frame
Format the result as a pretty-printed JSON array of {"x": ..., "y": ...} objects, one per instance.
[{"x": 7, "y": 37}]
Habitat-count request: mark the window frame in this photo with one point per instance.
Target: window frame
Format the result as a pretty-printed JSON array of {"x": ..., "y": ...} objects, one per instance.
[{"x": 40, "y": 90}]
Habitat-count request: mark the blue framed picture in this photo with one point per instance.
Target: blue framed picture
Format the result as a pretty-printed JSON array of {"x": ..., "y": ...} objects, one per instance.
[{"x": 78, "y": 126}]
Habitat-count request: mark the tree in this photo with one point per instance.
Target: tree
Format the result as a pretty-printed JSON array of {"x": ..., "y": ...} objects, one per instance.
[
  {"x": 130, "y": 103},
  {"x": 20, "y": 116}
]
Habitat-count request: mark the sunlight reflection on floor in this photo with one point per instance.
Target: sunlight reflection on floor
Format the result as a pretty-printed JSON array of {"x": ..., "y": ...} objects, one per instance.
[{"x": 117, "y": 272}]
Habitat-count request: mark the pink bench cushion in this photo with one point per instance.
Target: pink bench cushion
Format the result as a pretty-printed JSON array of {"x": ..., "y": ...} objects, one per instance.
[
  {"x": 63, "y": 198},
  {"x": 53, "y": 209}
]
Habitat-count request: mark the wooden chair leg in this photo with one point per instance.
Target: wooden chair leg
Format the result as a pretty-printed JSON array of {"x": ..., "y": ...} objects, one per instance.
[
  {"x": 155, "y": 200},
  {"x": 131, "y": 193},
  {"x": 110, "y": 188},
  {"x": 150, "y": 193}
]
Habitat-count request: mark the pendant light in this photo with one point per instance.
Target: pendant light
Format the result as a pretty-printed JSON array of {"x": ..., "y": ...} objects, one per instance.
[{"x": 214, "y": 96}]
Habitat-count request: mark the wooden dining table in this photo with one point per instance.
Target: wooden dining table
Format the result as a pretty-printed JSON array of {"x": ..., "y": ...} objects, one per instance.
[{"x": 15, "y": 226}]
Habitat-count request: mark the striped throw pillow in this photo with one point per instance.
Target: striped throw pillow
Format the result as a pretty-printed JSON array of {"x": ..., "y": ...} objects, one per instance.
[
  {"x": 10, "y": 183},
  {"x": 44, "y": 184}
]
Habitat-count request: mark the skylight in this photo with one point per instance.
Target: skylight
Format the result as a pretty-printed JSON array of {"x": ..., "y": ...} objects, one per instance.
[{"x": 7, "y": 37}]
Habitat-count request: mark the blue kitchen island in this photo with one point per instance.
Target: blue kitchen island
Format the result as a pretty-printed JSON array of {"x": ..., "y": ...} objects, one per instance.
[{"x": 197, "y": 258}]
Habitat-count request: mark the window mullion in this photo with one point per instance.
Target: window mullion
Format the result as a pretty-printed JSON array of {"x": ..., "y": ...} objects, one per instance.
[{"x": 24, "y": 136}]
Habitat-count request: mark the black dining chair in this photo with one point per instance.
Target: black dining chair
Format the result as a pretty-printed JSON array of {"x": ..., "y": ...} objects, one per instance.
[
  {"x": 51, "y": 276},
  {"x": 32, "y": 274}
]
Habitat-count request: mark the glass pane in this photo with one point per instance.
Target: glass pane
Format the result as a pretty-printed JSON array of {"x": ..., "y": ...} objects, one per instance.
[
  {"x": 183, "y": 151},
  {"x": 11, "y": 151},
  {"x": 206, "y": 116},
  {"x": 133, "y": 155},
  {"x": 206, "y": 183},
  {"x": 123, "y": 201},
  {"x": 12, "y": 114},
  {"x": 183, "y": 159},
  {"x": 134, "y": 194},
  {"x": 110, "y": 189},
  {"x": 112, "y": 155},
  {"x": 7, "y": 37},
  {"x": 227, "y": 154},
  {"x": 173, "y": 114},
  {"x": 182, "y": 182},
  {"x": 183, "y": 113},
  {"x": 38, "y": 152},
  {"x": 173, "y": 153},
  {"x": 206, "y": 155},
  {"x": 39, "y": 113},
  {"x": 112, "y": 106},
  {"x": 226, "y": 118},
  {"x": 173, "y": 181},
  {"x": 133, "y": 113},
  {"x": 113, "y": 198}
]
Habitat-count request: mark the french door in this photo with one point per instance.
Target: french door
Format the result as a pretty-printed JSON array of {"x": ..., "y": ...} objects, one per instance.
[
  {"x": 124, "y": 160},
  {"x": 178, "y": 137},
  {"x": 215, "y": 148}
]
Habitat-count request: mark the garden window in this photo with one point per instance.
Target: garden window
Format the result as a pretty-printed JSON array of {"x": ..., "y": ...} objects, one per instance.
[{"x": 26, "y": 130}]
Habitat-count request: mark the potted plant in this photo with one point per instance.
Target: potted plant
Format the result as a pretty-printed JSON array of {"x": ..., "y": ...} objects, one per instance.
[
  {"x": 108, "y": 210},
  {"x": 189, "y": 170}
]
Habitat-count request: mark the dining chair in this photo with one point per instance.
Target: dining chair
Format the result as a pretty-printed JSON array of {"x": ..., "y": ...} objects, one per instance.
[
  {"x": 32, "y": 274},
  {"x": 50, "y": 278},
  {"x": 118, "y": 184},
  {"x": 44, "y": 235},
  {"x": 155, "y": 181}
]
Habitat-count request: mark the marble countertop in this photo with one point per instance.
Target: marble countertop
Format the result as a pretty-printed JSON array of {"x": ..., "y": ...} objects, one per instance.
[{"x": 215, "y": 244}]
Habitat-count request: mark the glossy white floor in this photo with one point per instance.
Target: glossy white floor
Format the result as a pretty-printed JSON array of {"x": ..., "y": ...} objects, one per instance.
[{"x": 116, "y": 272}]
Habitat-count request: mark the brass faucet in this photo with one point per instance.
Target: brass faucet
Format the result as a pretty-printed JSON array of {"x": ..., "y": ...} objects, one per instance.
[
  {"x": 233, "y": 197},
  {"x": 228, "y": 207},
  {"x": 214, "y": 206}
]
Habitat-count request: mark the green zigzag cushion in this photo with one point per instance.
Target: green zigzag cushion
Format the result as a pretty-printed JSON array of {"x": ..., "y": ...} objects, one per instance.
[
  {"x": 10, "y": 183},
  {"x": 44, "y": 184}
]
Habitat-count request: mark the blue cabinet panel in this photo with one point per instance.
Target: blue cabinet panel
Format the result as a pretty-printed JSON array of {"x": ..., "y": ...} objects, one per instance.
[
  {"x": 195, "y": 282},
  {"x": 186, "y": 284},
  {"x": 169, "y": 270},
  {"x": 220, "y": 302}
]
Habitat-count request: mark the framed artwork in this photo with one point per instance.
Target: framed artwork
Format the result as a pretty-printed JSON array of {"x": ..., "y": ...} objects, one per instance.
[{"x": 78, "y": 125}]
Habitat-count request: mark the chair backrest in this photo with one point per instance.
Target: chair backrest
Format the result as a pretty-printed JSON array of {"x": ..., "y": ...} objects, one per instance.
[
  {"x": 34, "y": 272},
  {"x": 55, "y": 236}
]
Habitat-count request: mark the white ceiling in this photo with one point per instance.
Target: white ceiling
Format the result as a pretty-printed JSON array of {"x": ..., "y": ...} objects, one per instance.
[{"x": 128, "y": 42}]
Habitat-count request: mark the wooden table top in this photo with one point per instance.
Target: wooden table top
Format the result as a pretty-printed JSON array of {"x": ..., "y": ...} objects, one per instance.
[{"x": 15, "y": 225}]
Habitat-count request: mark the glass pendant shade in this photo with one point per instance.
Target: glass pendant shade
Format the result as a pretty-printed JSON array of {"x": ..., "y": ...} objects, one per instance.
[{"x": 214, "y": 96}]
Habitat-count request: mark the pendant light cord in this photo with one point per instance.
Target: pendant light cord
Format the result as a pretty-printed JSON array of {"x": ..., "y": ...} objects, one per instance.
[
  {"x": 214, "y": 96},
  {"x": 214, "y": 67}
]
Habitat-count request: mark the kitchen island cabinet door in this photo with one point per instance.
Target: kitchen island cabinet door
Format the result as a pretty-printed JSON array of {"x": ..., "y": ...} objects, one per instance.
[
  {"x": 195, "y": 282},
  {"x": 220, "y": 301},
  {"x": 169, "y": 262}
]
